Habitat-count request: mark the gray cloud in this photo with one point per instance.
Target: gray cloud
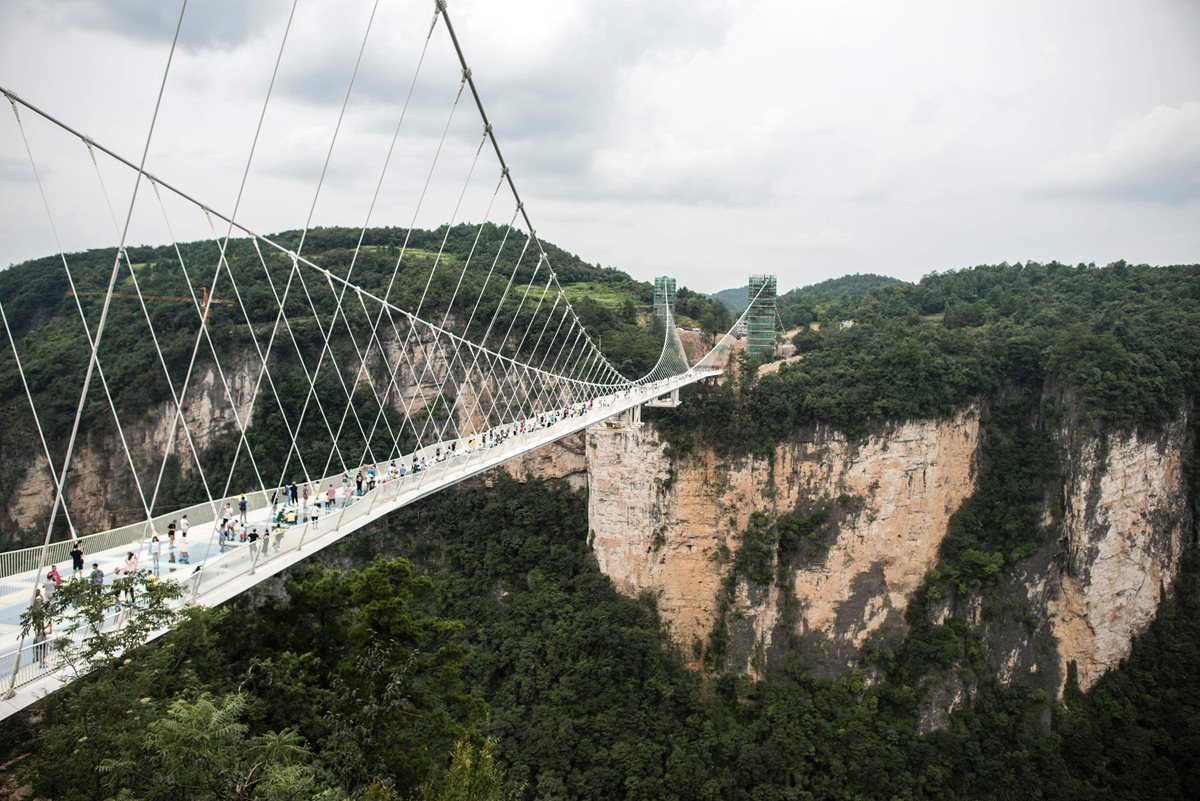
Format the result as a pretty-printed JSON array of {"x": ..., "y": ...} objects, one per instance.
[
  {"x": 1154, "y": 158},
  {"x": 211, "y": 24},
  {"x": 13, "y": 168},
  {"x": 550, "y": 94}
]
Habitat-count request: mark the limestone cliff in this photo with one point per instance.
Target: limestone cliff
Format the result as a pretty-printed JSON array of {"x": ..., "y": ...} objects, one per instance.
[
  {"x": 1125, "y": 524},
  {"x": 1121, "y": 510},
  {"x": 564, "y": 459},
  {"x": 673, "y": 527}
]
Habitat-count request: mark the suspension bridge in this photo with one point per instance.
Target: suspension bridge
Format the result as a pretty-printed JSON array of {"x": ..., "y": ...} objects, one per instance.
[{"x": 387, "y": 376}]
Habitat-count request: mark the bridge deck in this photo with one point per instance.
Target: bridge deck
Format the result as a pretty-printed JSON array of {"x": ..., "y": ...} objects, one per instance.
[{"x": 215, "y": 575}]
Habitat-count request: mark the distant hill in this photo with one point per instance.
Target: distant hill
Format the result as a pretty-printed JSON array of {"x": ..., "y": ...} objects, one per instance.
[
  {"x": 800, "y": 306},
  {"x": 852, "y": 285},
  {"x": 732, "y": 299},
  {"x": 848, "y": 285}
]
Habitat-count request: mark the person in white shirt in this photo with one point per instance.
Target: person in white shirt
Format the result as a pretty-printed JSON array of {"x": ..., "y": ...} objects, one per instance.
[{"x": 155, "y": 551}]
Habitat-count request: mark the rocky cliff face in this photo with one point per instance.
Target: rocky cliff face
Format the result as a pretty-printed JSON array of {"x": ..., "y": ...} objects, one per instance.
[
  {"x": 100, "y": 491},
  {"x": 564, "y": 459},
  {"x": 673, "y": 527},
  {"x": 1125, "y": 525}
]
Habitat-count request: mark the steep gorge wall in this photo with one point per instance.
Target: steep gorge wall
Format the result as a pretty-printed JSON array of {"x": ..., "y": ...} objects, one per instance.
[
  {"x": 1123, "y": 518},
  {"x": 673, "y": 527},
  {"x": 1126, "y": 522}
]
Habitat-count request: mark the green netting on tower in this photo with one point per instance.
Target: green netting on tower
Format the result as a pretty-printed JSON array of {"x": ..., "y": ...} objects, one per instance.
[
  {"x": 760, "y": 320},
  {"x": 664, "y": 297}
]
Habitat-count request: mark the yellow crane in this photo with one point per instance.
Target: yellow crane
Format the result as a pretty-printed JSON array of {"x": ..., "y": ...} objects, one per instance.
[{"x": 205, "y": 300}]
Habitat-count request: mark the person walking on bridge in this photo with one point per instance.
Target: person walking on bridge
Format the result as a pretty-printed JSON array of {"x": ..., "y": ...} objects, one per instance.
[
  {"x": 243, "y": 507},
  {"x": 41, "y": 626},
  {"x": 77, "y": 560}
]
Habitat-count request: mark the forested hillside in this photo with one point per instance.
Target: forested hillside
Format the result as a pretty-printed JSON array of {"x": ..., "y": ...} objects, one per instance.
[
  {"x": 798, "y": 306},
  {"x": 733, "y": 299},
  {"x": 805, "y": 304},
  {"x": 1121, "y": 339}
]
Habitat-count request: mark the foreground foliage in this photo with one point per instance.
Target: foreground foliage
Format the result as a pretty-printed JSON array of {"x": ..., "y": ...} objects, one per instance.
[{"x": 358, "y": 685}]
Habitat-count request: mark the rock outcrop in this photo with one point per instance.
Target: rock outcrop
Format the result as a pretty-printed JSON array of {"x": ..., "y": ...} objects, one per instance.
[
  {"x": 673, "y": 527},
  {"x": 1125, "y": 524},
  {"x": 563, "y": 459}
]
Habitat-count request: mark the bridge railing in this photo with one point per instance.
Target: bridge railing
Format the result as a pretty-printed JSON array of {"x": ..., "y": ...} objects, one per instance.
[
  {"x": 20, "y": 561},
  {"x": 201, "y": 514},
  {"x": 214, "y": 573}
]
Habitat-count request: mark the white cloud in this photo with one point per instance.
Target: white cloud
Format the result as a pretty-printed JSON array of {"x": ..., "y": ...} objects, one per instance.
[
  {"x": 1154, "y": 157},
  {"x": 709, "y": 138}
]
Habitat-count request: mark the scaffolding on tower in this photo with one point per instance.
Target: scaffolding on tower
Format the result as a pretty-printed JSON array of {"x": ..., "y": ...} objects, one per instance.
[{"x": 760, "y": 320}]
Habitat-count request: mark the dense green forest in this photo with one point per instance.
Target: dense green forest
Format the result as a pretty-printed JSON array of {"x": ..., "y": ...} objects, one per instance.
[
  {"x": 359, "y": 683},
  {"x": 1120, "y": 341}
]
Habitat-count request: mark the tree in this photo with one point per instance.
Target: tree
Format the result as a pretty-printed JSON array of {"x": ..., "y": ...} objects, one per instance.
[
  {"x": 474, "y": 775},
  {"x": 396, "y": 702},
  {"x": 201, "y": 749},
  {"x": 91, "y": 609}
]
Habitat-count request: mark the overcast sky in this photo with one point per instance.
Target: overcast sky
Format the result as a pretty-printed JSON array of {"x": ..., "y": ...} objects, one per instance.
[{"x": 699, "y": 138}]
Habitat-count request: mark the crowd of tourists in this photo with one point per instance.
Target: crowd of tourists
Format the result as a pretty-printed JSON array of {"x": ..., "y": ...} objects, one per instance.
[{"x": 291, "y": 504}]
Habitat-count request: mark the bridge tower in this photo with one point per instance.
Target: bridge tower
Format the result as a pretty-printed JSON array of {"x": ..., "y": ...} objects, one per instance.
[
  {"x": 760, "y": 320},
  {"x": 664, "y": 297},
  {"x": 664, "y": 310}
]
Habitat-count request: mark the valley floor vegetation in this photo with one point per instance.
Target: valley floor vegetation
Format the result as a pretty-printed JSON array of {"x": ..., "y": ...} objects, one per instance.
[{"x": 496, "y": 657}]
